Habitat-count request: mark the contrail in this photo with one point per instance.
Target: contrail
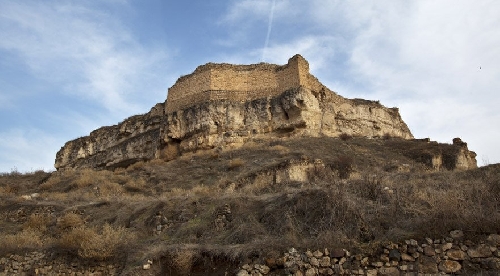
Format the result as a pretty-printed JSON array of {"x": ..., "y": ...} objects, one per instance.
[{"x": 269, "y": 28}]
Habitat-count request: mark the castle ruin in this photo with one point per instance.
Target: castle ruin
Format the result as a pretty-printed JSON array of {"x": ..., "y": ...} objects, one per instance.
[
  {"x": 241, "y": 83},
  {"x": 222, "y": 104}
]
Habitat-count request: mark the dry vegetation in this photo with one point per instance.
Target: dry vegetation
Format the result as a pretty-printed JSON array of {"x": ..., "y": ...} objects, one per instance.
[{"x": 355, "y": 200}]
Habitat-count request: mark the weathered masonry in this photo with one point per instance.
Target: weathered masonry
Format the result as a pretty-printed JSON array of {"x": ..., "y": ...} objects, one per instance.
[{"x": 239, "y": 82}]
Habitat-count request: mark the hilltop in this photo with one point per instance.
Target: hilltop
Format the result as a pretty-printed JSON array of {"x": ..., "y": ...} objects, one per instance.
[
  {"x": 254, "y": 170},
  {"x": 221, "y": 105}
]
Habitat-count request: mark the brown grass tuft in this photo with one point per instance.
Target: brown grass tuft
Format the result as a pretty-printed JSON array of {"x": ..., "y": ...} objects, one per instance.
[
  {"x": 90, "y": 243},
  {"x": 344, "y": 166},
  {"x": 69, "y": 221},
  {"x": 26, "y": 239},
  {"x": 182, "y": 261},
  {"x": 38, "y": 222},
  {"x": 235, "y": 163}
]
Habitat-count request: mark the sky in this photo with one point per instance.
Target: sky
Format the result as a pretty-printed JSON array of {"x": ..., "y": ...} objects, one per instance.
[{"x": 69, "y": 67}]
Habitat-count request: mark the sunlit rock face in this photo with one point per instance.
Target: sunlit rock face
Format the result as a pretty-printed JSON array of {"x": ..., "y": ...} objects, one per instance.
[{"x": 223, "y": 104}]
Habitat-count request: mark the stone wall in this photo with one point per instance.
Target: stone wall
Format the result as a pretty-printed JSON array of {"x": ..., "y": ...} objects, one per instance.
[
  {"x": 451, "y": 255},
  {"x": 47, "y": 263},
  {"x": 239, "y": 82}
]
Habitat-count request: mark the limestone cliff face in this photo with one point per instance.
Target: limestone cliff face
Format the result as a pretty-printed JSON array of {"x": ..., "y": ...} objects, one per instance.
[
  {"x": 134, "y": 139},
  {"x": 208, "y": 116},
  {"x": 298, "y": 111}
]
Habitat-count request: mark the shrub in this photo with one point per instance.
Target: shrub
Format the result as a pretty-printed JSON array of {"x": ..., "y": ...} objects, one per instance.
[
  {"x": 183, "y": 260},
  {"x": 108, "y": 188},
  {"x": 135, "y": 185},
  {"x": 343, "y": 165},
  {"x": 87, "y": 178},
  {"x": 26, "y": 239},
  {"x": 236, "y": 163},
  {"x": 8, "y": 189},
  {"x": 137, "y": 166},
  {"x": 280, "y": 148},
  {"x": 37, "y": 222},
  {"x": 70, "y": 221},
  {"x": 170, "y": 152},
  {"x": 51, "y": 182},
  {"x": 90, "y": 243},
  {"x": 345, "y": 137},
  {"x": 73, "y": 239}
]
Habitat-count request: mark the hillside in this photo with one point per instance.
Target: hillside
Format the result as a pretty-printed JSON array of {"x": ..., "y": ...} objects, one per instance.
[
  {"x": 212, "y": 212},
  {"x": 254, "y": 170}
]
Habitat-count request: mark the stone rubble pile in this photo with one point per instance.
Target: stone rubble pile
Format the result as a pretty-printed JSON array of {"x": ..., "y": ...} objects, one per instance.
[
  {"x": 451, "y": 255},
  {"x": 39, "y": 263}
]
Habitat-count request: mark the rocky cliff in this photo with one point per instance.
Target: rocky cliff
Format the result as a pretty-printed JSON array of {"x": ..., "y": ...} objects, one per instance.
[{"x": 232, "y": 116}]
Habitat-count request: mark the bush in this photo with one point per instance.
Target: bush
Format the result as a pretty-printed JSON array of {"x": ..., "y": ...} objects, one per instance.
[
  {"x": 51, "y": 182},
  {"x": 90, "y": 243},
  {"x": 108, "y": 188},
  {"x": 135, "y": 185},
  {"x": 345, "y": 137},
  {"x": 183, "y": 260},
  {"x": 387, "y": 136},
  {"x": 26, "y": 239},
  {"x": 343, "y": 165},
  {"x": 87, "y": 178},
  {"x": 70, "y": 221},
  {"x": 236, "y": 163},
  {"x": 37, "y": 222}
]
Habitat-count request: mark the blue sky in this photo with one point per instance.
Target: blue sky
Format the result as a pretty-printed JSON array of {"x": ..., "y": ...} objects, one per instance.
[{"x": 69, "y": 67}]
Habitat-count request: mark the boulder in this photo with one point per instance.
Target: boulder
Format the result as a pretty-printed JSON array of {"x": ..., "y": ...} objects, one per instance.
[
  {"x": 480, "y": 251},
  {"x": 449, "y": 266}
]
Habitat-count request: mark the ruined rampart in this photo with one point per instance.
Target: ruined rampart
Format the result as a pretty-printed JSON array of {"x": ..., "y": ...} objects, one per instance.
[{"x": 238, "y": 82}]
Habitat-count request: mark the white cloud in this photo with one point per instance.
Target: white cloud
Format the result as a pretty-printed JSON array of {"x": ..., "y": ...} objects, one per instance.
[
  {"x": 427, "y": 59},
  {"x": 257, "y": 10},
  {"x": 423, "y": 56},
  {"x": 27, "y": 150},
  {"x": 316, "y": 49},
  {"x": 82, "y": 49},
  {"x": 248, "y": 20}
]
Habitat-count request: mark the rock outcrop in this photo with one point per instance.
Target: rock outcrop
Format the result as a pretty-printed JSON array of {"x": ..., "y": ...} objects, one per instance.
[{"x": 221, "y": 104}]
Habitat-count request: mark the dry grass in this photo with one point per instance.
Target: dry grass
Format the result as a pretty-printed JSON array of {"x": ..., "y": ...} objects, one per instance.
[
  {"x": 170, "y": 152},
  {"x": 50, "y": 182},
  {"x": 182, "y": 260},
  {"x": 135, "y": 185},
  {"x": 107, "y": 189},
  {"x": 69, "y": 221},
  {"x": 90, "y": 243},
  {"x": 26, "y": 239},
  {"x": 38, "y": 222},
  {"x": 235, "y": 163},
  {"x": 331, "y": 209},
  {"x": 87, "y": 178}
]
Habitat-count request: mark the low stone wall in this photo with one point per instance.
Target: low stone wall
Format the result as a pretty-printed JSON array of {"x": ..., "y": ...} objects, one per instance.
[
  {"x": 43, "y": 263},
  {"x": 451, "y": 255}
]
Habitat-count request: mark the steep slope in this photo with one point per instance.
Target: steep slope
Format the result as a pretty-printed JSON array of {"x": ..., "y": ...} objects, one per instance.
[{"x": 214, "y": 211}]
